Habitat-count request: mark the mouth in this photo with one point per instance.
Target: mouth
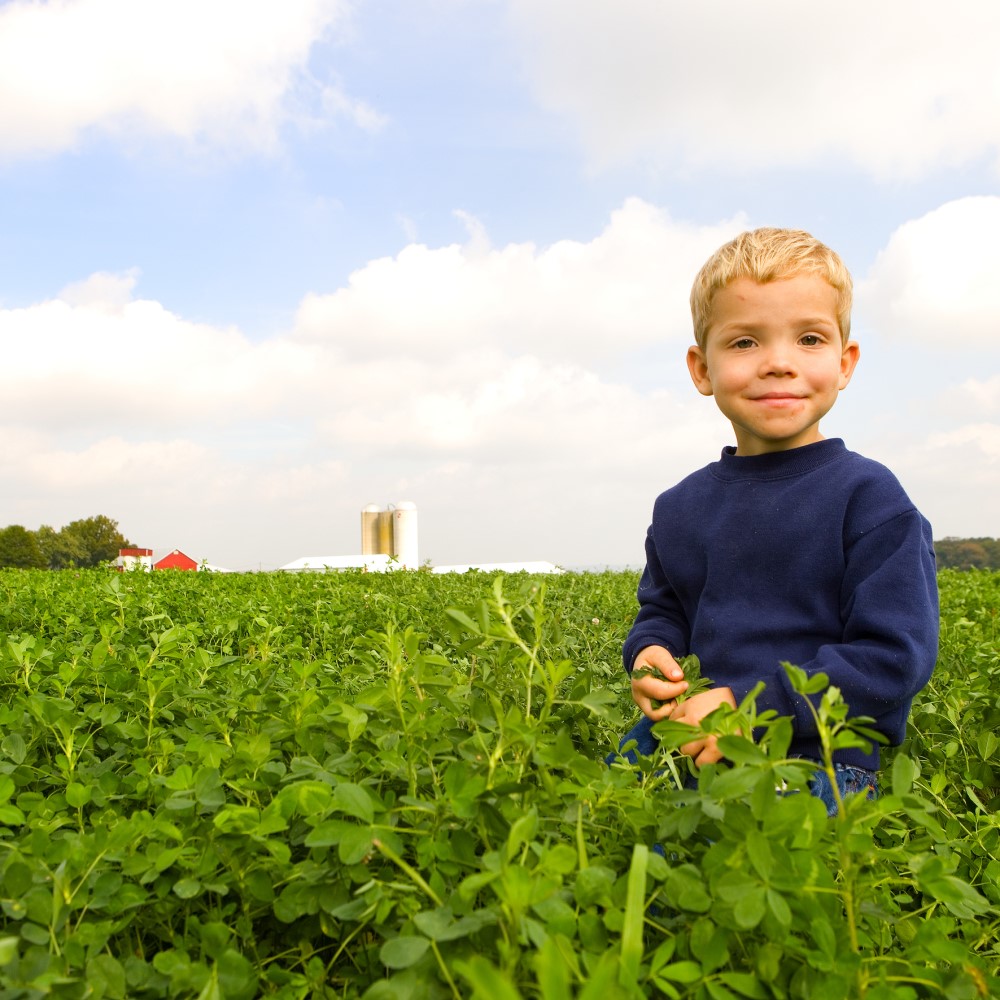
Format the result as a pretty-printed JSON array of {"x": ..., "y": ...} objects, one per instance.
[{"x": 777, "y": 397}]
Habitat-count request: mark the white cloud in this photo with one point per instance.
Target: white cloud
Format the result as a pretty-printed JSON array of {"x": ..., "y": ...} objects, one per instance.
[
  {"x": 936, "y": 280},
  {"x": 954, "y": 478},
  {"x": 227, "y": 72},
  {"x": 973, "y": 398},
  {"x": 899, "y": 88},
  {"x": 104, "y": 291},
  {"x": 465, "y": 378},
  {"x": 572, "y": 301},
  {"x": 94, "y": 356},
  {"x": 472, "y": 380}
]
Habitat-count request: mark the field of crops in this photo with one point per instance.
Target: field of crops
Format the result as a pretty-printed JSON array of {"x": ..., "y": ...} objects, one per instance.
[{"x": 391, "y": 786}]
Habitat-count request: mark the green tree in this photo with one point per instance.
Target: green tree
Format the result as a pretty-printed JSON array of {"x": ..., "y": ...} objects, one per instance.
[
  {"x": 968, "y": 553},
  {"x": 19, "y": 548},
  {"x": 97, "y": 538},
  {"x": 59, "y": 549}
]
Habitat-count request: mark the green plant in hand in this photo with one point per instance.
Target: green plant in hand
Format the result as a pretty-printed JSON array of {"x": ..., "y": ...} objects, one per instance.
[{"x": 691, "y": 666}]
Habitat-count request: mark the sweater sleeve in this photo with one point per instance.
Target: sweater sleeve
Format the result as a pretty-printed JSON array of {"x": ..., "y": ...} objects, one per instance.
[
  {"x": 661, "y": 620},
  {"x": 889, "y": 607}
]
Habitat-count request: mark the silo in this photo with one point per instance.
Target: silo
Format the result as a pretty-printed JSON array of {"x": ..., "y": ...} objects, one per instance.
[
  {"x": 385, "y": 532},
  {"x": 369, "y": 530},
  {"x": 404, "y": 535}
]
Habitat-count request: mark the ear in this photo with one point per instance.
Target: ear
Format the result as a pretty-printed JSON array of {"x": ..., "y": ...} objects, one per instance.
[
  {"x": 848, "y": 362},
  {"x": 698, "y": 367}
]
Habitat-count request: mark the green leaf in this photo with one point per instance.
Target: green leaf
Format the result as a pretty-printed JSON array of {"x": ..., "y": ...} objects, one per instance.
[
  {"x": 11, "y": 815},
  {"x": 260, "y": 886},
  {"x": 355, "y": 801},
  {"x": 403, "y": 951},
  {"x": 211, "y": 990},
  {"x": 106, "y": 977},
  {"x": 17, "y": 879},
  {"x": 355, "y": 844},
  {"x": 78, "y": 795},
  {"x": 522, "y": 830},
  {"x": 555, "y": 968},
  {"x": 187, "y": 888},
  {"x": 958, "y": 896},
  {"x": 486, "y": 980},
  {"x": 8, "y": 949},
  {"x": 441, "y": 924},
  {"x": 685, "y": 889},
  {"x": 779, "y": 907},
  {"x": 601, "y": 703},
  {"x": 904, "y": 771},
  {"x": 14, "y": 747},
  {"x": 681, "y": 972},
  {"x": 740, "y": 750},
  {"x": 745, "y": 985},
  {"x": 708, "y": 944},
  {"x": 327, "y": 834},
  {"x": 749, "y": 909},
  {"x": 631, "y": 943},
  {"x": 208, "y": 788},
  {"x": 237, "y": 976},
  {"x": 463, "y": 620},
  {"x": 759, "y": 853},
  {"x": 33, "y": 933}
]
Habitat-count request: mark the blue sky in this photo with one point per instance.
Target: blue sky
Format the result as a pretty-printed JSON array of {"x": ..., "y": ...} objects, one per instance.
[{"x": 262, "y": 264}]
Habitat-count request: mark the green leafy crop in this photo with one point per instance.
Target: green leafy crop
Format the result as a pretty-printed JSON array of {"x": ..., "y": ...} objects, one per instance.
[{"x": 392, "y": 786}]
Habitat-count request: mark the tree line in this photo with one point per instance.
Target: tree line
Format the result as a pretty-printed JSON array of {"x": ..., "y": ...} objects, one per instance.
[
  {"x": 968, "y": 553},
  {"x": 91, "y": 541}
]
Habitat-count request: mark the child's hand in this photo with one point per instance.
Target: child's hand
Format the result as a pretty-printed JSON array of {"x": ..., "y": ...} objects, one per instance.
[
  {"x": 657, "y": 677},
  {"x": 703, "y": 750}
]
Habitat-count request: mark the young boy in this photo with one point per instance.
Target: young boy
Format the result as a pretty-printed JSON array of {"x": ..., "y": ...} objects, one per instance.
[{"x": 790, "y": 547}]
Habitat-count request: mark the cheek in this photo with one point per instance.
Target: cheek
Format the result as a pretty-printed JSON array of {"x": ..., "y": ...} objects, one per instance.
[{"x": 730, "y": 377}]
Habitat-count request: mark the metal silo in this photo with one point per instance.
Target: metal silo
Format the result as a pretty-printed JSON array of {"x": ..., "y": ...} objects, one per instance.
[
  {"x": 369, "y": 530},
  {"x": 404, "y": 535}
]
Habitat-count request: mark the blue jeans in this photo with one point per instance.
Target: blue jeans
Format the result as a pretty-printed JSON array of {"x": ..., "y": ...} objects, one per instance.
[{"x": 850, "y": 780}]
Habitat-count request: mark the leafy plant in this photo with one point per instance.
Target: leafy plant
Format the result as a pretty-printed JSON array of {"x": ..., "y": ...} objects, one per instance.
[{"x": 354, "y": 785}]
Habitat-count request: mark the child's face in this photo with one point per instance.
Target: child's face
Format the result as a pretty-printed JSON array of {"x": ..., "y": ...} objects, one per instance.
[{"x": 774, "y": 359}]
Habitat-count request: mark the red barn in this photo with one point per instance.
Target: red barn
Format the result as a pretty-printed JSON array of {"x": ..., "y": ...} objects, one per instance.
[{"x": 176, "y": 560}]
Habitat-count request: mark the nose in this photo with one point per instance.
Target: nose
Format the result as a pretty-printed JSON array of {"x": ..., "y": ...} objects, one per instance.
[{"x": 777, "y": 361}]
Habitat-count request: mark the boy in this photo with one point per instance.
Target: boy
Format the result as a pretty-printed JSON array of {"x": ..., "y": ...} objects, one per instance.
[{"x": 790, "y": 547}]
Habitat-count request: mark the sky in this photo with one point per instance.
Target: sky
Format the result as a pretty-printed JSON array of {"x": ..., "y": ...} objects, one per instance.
[{"x": 263, "y": 264}]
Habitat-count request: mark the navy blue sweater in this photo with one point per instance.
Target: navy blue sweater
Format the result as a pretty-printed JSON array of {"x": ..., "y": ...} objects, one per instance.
[{"x": 814, "y": 556}]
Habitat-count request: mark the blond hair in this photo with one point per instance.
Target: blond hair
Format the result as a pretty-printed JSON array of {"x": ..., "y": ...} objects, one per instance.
[{"x": 764, "y": 255}]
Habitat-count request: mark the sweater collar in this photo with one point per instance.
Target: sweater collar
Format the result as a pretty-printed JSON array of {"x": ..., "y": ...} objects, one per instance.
[{"x": 777, "y": 464}]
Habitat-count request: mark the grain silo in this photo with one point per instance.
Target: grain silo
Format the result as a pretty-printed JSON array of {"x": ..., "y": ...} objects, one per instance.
[
  {"x": 404, "y": 535},
  {"x": 391, "y": 531},
  {"x": 369, "y": 530}
]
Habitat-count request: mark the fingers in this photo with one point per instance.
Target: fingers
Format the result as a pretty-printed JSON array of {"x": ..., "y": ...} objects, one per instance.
[
  {"x": 660, "y": 661},
  {"x": 703, "y": 751},
  {"x": 649, "y": 689},
  {"x": 704, "y": 748}
]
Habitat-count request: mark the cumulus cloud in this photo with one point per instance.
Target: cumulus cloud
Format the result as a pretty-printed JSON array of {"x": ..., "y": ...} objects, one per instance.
[
  {"x": 94, "y": 355},
  {"x": 471, "y": 379},
  {"x": 954, "y": 476},
  {"x": 571, "y": 301},
  {"x": 936, "y": 278},
  {"x": 229, "y": 72},
  {"x": 465, "y": 377},
  {"x": 972, "y": 398},
  {"x": 896, "y": 88}
]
